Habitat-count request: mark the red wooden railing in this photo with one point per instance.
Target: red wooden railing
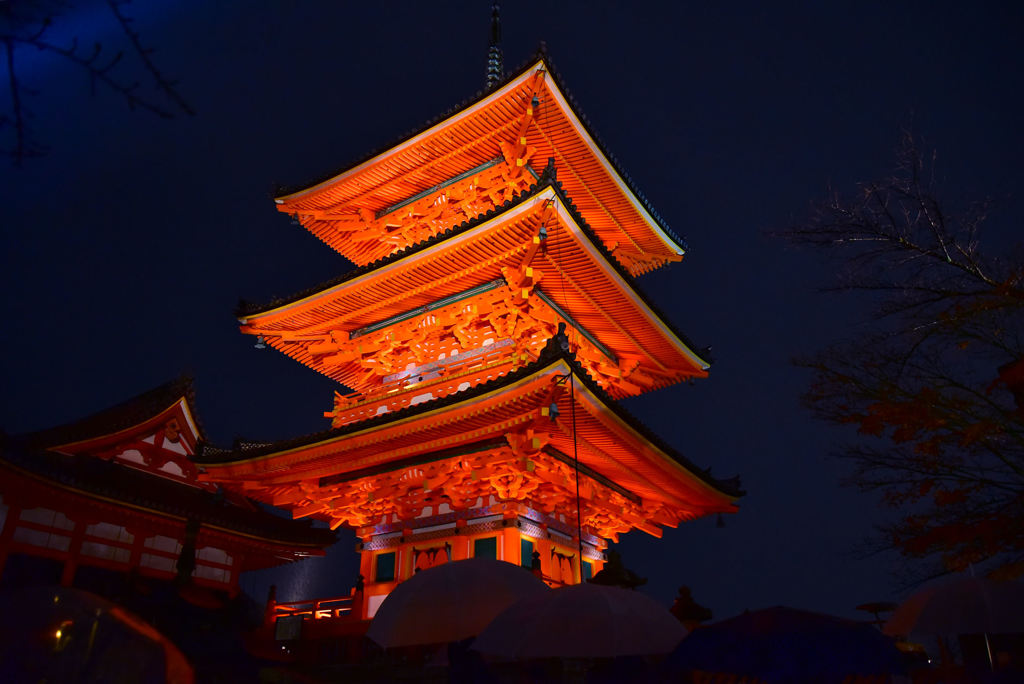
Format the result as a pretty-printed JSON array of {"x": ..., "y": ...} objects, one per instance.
[{"x": 316, "y": 609}]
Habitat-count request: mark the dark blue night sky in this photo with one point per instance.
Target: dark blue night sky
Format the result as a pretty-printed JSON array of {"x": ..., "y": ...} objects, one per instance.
[{"x": 127, "y": 247}]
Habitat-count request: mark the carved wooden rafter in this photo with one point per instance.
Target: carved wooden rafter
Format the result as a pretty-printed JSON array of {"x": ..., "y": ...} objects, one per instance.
[
  {"x": 461, "y": 201},
  {"x": 518, "y": 473},
  {"x": 513, "y": 312},
  {"x": 154, "y": 454}
]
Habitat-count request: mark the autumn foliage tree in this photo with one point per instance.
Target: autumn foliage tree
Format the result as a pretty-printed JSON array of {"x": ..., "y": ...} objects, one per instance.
[{"x": 935, "y": 386}]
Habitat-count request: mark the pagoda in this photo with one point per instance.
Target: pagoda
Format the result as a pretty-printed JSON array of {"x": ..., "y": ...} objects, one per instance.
[{"x": 481, "y": 346}]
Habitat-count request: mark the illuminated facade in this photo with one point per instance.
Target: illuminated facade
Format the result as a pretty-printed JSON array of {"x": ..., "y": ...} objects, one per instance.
[
  {"x": 118, "y": 493},
  {"x": 467, "y": 413}
]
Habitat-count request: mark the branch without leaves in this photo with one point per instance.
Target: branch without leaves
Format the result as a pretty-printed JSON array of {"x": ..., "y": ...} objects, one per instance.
[
  {"x": 935, "y": 387},
  {"x": 26, "y": 25}
]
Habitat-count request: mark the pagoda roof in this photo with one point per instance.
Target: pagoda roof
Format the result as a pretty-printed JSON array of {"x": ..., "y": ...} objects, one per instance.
[
  {"x": 611, "y": 441},
  {"x": 471, "y": 134},
  {"x": 150, "y": 408},
  {"x": 406, "y": 280},
  {"x": 123, "y": 486}
]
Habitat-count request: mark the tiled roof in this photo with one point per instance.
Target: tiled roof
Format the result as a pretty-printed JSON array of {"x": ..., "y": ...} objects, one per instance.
[{"x": 122, "y": 416}]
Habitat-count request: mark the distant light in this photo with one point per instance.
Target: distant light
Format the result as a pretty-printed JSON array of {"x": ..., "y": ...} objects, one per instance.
[
  {"x": 260, "y": 342},
  {"x": 58, "y": 634}
]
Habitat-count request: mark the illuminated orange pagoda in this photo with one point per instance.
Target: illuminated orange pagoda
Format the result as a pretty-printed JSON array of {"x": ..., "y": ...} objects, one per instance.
[{"x": 481, "y": 344}]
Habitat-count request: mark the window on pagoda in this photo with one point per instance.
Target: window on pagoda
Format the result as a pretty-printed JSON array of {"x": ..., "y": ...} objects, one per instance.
[
  {"x": 111, "y": 532},
  {"x": 161, "y": 553},
  {"x": 211, "y": 573},
  {"x": 430, "y": 556},
  {"x": 108, "y": 552},
  {"x": 41, "y": 527},
  {"x": 47, "y": 518},
  {"x": 561, "y": 568},
  {"x": 28, "y": 535},
  {"x": 166, "y": 544},
  {"x": 214, "y": 555},
  {"x": 213, "y": 564},
  {"x": 486, "y": 547},
  {"x": 526, "y": 553},
  {"x": 384, "y": 571},
  {"x": 587, "y": 570},
  {"x": 162, "y": 563}
]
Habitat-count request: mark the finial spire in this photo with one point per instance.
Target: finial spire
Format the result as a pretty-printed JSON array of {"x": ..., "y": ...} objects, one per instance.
[{"x": 495, "y": 63}]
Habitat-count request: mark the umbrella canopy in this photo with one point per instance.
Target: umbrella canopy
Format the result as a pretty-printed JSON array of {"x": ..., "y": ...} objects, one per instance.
[
  {"x": 784, "y": 645},
  {"x": 581, "y": 621},
  {"x": 965, "y": 605},
  {"x": 450, "y": 602},
  {"x": 63, "y": 634}
]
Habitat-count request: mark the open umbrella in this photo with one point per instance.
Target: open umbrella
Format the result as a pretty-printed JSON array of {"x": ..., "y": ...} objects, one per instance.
[
  {"x": 63, "y": 634},
  {"x": 965, "y": 605},
  {"x": 786, "y": 645},
  {"x": 581, "y": 621},
  {"x": 450, "y": 602}
]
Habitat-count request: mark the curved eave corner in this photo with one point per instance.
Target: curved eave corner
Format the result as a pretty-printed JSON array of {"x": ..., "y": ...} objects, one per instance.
[
  {"x": 432, "y": 127},
  {"x": 579, "y": 122}
]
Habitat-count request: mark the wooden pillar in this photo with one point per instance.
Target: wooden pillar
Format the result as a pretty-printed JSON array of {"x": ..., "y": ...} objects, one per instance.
[
  {"x": 74, "y": 550},
  {"x": 7, "y": 534},
  {"x": 460, "y": 542},
  {"x": 404, "y": 557},
  {"x": 365, "y": 563},
  {"x": 543, "y": 546},
  {"x": 510, "y": 541},
  {"x": 138, "y": 546},
  {"x": 236, "y": 575}
]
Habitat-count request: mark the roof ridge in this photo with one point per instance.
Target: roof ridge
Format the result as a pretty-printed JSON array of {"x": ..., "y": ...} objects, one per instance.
[{"x": 120, "y": 416}]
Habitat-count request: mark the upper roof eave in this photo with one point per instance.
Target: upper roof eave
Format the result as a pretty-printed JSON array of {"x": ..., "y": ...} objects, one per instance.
[{"x": 539, "y": 59}]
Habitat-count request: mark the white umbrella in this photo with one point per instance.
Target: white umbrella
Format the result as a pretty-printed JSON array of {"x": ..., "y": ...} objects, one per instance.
[
  {"x": 450, "y": 602},
  {"x": 966, "y": 605},
  {"x": 581, "y": 621}
]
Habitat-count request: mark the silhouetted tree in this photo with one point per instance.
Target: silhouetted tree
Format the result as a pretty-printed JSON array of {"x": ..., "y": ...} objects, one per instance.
[
  {"x": 936, "y": 383},
  {"x": 28, "y": 24},
  {"x": 688, "y": 611},
  {"x": 616, "y": 574}
]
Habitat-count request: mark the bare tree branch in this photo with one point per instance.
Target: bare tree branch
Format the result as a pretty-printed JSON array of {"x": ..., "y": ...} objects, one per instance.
[
  {"x": 26, "y": 24},
  {"x": 935, "y": 386}
]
